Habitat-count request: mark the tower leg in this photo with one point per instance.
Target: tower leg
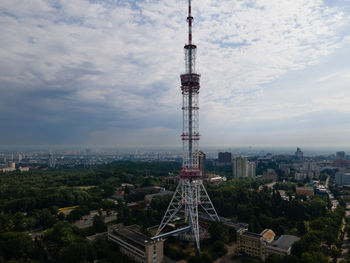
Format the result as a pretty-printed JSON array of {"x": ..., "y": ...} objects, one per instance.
[
  {"x": 206, "y": 203},
  {"x": 174, "y": 206},
  {"x": 189, "y": 195},
  {"x": 194, "y": 199}
]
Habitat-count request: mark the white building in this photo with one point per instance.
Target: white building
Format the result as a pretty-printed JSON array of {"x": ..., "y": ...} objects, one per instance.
[
  {"x": 11, "y": 166},
  {"x": 342, "y": 178},
  {"x": 240, "y": 167},
  {"x": 251, "y": 169},
  {"x": 243, "y": 168}
]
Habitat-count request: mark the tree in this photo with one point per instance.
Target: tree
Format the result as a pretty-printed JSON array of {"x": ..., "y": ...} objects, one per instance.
[
  {"x": 62, "y": 234},
  {"x": 313, "y": 257},
  {"x": 335, "y": 253},
  {"x": 14, "y": 245},
  {"x": 98, "y": 225},
  {"x": 254, "y": 225},
  {"x": 218, "y": 231},
  {"x": 219, "y": 249},
  {"x": 301, "y": 227},
  {"x": 273, "y": 258},
  {"x": 77, "y": 252}
]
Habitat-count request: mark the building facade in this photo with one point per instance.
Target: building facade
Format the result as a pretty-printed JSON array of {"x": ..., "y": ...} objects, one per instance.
[
  {"x": 263, "y": 244},
  {"x": 225, "y": 157},
  {"x": 299, "y": 155},
  {"x": 342, "y": 178},
  {"x": 202, "y": 163},
  {"x": 241, "y": 167},
  {"x": 270, "y": 174},
  {"x": 137, "y": 246},
  {"x": 252, "y": 244},
  {"x": 340, "y": 155},
  {"x": 251, "y": 169}
]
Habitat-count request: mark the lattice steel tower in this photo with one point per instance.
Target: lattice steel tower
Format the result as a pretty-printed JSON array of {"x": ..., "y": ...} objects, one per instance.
[{"x": 190, "y": 193}]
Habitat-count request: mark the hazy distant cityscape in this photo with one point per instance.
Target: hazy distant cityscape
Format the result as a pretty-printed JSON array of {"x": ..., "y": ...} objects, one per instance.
[{"x": 77, "y": 157}]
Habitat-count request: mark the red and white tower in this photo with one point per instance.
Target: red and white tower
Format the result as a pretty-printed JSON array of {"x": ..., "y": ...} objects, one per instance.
[{"x": 190, "y": 193}]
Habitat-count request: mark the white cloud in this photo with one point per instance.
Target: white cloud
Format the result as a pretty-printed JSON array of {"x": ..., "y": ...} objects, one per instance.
[{"x": 129, "y": 58}]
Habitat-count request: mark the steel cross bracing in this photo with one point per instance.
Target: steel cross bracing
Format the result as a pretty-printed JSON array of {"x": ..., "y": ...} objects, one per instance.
[
  {"x": 190, "y": 193},
  {"x": 188, "y": 197}
]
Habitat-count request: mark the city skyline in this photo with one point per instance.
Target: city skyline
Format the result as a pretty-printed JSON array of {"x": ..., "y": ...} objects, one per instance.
[{"x": 97, "y": 72}]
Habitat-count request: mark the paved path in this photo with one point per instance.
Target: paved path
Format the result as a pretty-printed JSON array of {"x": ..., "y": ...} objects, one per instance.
[
  {"x": 331, "y": 197},
  {"x": 270, "y": 185},
  {"x": 228, "y": 256},
  {"x": 345, "y": 248},
  {"x": 346, "y": 245}
]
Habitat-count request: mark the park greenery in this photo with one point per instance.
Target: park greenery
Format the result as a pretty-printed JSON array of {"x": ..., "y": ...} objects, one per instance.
[{"x": 33, "y": 227}]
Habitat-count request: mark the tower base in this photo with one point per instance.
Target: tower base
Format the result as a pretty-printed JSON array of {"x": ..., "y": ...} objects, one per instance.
[{"x": 188, "y": 197}]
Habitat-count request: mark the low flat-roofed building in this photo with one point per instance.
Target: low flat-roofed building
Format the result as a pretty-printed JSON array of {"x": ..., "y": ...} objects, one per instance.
[
  {"x": 282, "y": 246},
  {"x": 308, "y": 191},
  {"x": 136, "y": 245},
  {"x": 8, "y": 169},
  {"x": 270, "y": 174},
  {"x": 263, "y": 244},
  {"x": 24, "y": 169},
  {"x": 148, "y": 198},
  {"x": 217, "y": 180}
]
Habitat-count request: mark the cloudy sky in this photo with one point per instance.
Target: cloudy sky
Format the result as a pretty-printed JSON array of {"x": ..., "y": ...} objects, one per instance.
[{"x": 106, "y": 72}]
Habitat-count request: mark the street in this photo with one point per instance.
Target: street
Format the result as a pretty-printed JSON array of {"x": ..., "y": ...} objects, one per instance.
[{"x": 345, "y": 247}]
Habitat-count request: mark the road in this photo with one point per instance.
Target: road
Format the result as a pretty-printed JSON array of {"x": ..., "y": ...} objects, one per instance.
[
  {"x": 331, "y": 197},
  {"x": 346, "y": 245},
  {"x": 228, "y": 257},
  {"x": 327, "y": 180}
]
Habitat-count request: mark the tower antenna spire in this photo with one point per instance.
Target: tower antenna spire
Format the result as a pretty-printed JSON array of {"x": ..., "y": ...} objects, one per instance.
[{"x": 189, "y": 20}]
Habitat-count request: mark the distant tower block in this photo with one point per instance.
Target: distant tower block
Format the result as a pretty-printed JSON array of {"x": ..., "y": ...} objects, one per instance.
[
  {"x": 202, "y": 163},
  {"x": 52, "y": 161},
  {"x": 190, "y": 193},
  {"x": 299, "y": 155}
]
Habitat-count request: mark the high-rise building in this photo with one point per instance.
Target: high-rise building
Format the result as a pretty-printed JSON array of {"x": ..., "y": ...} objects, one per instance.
[
  {"x": 52, "y": 161},
  {"x": 342, "y": 178},
  {"x": 202, "y": 163},
  {"x": 251, "y": 169},
  {"x": 243, "y": 168},
  {"x": 299, "y": 155},
  {"x": 240, "y": 167},
  {"x": 340, "y": 155},
  {"x": 225, "y": 157}
]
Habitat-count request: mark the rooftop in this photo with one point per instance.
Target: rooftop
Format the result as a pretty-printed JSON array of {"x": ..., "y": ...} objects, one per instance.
[
  {"x": 268, "y": 234},
  {"x": 305, "y": 188},
  {"x": 131, "y": 235},
  {"x": 285, "y": 241},
  {"x": 160, "y": 193},
  {"x": 251, "y": 234}
]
